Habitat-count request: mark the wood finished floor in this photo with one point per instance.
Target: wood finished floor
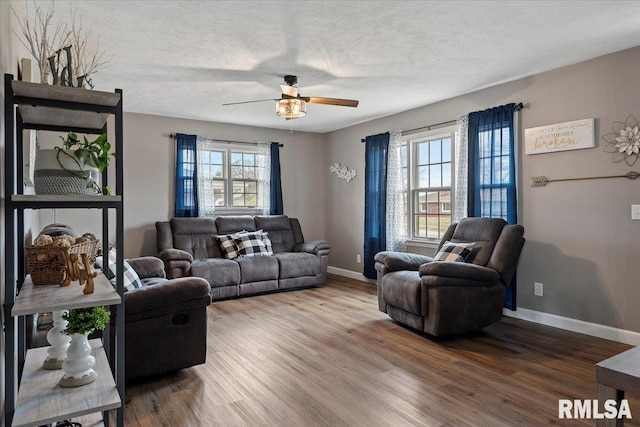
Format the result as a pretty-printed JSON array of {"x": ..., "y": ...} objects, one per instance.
[{"x": 328, "y": 357}]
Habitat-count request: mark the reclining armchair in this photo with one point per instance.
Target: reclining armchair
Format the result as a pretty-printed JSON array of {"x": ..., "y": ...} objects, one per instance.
[{"x": 444, "y": 297}]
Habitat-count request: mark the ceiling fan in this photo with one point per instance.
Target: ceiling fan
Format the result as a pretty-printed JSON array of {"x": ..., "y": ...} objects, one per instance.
[{"x": 291, "y": 105}]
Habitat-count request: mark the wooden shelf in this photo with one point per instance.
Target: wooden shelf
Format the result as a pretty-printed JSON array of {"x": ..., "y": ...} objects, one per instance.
[
  {"x": 60, "y": 107},
  {"x": 43, "y": 298},
  {"x": 64, "y": 93},
  {"x": 41, "y": 400},
  {"x": 39, "y": 201}
]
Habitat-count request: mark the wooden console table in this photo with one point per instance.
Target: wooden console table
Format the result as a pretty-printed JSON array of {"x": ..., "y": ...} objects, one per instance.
[{"x": 614, "y": 376}]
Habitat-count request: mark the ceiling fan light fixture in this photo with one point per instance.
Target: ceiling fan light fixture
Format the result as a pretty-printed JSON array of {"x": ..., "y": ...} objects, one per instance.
[{"x": 291, "y": 108}]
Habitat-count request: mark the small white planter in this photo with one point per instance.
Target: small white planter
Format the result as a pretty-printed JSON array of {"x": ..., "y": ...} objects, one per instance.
[
  {"x": 78, "y": 366},
  {"x": 60, "y": 172}
]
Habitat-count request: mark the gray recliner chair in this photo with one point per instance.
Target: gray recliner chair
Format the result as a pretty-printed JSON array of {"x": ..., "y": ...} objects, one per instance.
[{"x": 443, "y": 297}]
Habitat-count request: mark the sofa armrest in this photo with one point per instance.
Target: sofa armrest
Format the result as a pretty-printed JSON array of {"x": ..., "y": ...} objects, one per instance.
[
  {"x": 175, "y": 255},
  {"x": 170, "y": 296},
  {"x": 316, "y": 247},
  {"x": 147, "y": 267},
  {"x": 460, "y": 270},
  {"x": 396, "y": 261}
]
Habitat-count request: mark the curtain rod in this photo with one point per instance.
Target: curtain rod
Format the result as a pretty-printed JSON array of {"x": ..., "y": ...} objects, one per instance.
[
  {"x": 173, "y": 135},
  {"x": 518, "y": 107}
]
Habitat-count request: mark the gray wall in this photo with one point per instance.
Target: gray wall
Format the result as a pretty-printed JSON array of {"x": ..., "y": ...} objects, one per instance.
[
  {"x": 149, "y": 176},
  {"x": 581, "y": 242}
]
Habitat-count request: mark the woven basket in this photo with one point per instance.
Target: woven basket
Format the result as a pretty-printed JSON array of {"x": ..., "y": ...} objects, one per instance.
[
  {"x": 46, "y": 264},
  {"x": 57, "y": 173}
]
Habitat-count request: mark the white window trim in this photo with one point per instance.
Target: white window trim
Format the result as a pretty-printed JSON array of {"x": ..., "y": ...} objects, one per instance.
[
  {"x": 229, "y": 209},
  {"x": 411, "y": 141}
]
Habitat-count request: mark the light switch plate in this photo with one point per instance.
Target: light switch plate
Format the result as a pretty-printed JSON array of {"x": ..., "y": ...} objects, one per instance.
[{"x": 635, "y": 212}]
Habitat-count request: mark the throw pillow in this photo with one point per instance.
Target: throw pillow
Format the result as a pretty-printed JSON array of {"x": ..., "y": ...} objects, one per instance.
[
  {"x": 227, "y": 246},
  {"x": 267, "y": 242},
  {"x": 455, "y": 252},
  {"x": 131, "y": 279},
  {"x": 250, "y": 244}
]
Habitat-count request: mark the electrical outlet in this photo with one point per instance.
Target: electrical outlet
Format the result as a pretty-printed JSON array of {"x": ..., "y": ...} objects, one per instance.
[
  {"x": 537, "y": 289},
  {"x": 635, "y": 212},
  {"x": 358, "y": 259}
]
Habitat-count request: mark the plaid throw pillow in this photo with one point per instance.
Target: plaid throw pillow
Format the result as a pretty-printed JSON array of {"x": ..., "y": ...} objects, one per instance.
[
  {"x": 227, "y": 246},
  {"x": 455, "y": 252},
  {"x": 267, "y": 242},
  {"x": 130, "y": 277},
  {"x": 250, "y": 244}
]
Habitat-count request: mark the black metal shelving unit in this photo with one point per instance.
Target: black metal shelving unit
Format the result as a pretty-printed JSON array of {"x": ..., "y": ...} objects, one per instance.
[{"x": 55, "y": 108}]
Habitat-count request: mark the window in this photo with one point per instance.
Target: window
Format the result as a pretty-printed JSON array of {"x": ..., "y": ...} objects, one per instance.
[
  {"x": 429, "y": 183},
  {"x": 495, "y": 172},
  {"x": 228, "y": 178}
]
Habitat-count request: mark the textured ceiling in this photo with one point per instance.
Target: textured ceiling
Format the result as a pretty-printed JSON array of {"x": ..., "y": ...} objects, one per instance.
[{"x": 186, "y": 58}]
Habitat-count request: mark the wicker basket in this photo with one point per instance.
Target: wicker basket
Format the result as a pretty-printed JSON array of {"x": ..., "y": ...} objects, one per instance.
[{"x": 46, "y": 264}]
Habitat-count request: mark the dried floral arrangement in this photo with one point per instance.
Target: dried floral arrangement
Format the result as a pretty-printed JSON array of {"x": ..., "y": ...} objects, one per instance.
[{"x": 45, "y": 42}]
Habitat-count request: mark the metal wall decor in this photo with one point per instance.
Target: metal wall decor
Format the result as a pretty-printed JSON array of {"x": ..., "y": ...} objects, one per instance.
[
  {"x": 624, "y": 141},
  {"x": 542, "y": 181},
  {"x": 343, "y": 172}
]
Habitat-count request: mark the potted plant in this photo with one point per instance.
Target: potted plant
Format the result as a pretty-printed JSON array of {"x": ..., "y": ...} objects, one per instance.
[
  {"x": 78, "y": 366},
  {"x": 74, "y": 168}
]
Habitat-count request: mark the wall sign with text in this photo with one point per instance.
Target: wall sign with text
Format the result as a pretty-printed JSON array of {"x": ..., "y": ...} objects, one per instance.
[{"x": 573, "y": 135}]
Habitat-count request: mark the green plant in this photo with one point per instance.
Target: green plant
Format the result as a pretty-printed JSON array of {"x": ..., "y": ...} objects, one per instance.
[
  {"x": 94, "y": 153},
  {"x": 86, "y": 320}
]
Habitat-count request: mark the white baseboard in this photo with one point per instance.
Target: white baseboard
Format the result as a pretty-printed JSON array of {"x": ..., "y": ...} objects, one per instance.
[
  {"x": 574, "y": 325},
  {"x": 548, "y": 319},
  {"x": 350, "y": 274}
]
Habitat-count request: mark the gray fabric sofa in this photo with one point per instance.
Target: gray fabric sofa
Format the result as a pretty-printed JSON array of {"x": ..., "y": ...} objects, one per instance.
[
  {"x": 442, "y": 297},
  {"x": 188, "y": 248}
]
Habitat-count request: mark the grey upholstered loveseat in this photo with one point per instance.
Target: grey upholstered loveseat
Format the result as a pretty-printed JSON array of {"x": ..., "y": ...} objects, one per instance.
[{"x": 188, "y": 247}]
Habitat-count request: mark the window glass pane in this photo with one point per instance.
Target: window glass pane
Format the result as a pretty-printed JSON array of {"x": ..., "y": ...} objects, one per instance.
[
  {"x": 423, "y": 176},
  {"x": 218, "y": 193},
  {"x": 238, "y": 200},
  {"x": 432, "y": 227},
  {"x": 446, "y": 174},
  {"x": 445, "y": 222},
  {"x": 403, "y": 155},
  {"x": 421, "y": 202},
  {"x": 435, "y": 150},
  {"x": 485, "y": 171},
  {"x": 236, "y": 158},
  {"x": 216, "y": 171},
  {"x": 236, "y": 171},
  {"x": 250, "y": 200},
  {"x": 249, "y": 159},
  {"x": 251, "y": 187},
  {"x": 249, "y": 172},
  {"x": 216, "y": 157},
  {"x": 435, "y": 173},
  {"x": 423, "y": 153},
  {"x": 420, "y": 226},
  {"x": 446, "y": 150},
  {"x": 445, "y": 202},
  {"x": 238, "y": 187}
]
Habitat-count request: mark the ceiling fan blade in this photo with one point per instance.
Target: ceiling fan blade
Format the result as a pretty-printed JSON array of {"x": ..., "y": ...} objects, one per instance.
[
  {"x": 331, "y": 101},
  {"x": 249, "y": 102},
  {"x": 291, "y": 91}
]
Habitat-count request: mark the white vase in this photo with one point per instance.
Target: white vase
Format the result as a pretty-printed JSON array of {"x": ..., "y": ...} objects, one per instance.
[
  {"x": 59, "y": 342},
  {"x": 59, "y": 172},
  {"x": 78, "y": 366}
]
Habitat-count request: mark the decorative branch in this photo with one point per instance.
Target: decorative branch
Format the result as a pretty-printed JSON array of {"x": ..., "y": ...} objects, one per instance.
[
  {"x": 542, "y": 181},
  {"x": 36, "y": 36},
  {"x": 87, "y": 62}
]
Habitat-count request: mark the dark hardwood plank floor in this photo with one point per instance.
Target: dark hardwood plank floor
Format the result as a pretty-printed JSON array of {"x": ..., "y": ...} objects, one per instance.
[{"x": 328, "y": 357}]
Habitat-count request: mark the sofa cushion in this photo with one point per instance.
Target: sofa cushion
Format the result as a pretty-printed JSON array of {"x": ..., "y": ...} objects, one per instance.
[
  {"x": 234, "y": 224},
  {"x": 455, "y": 252},
  {"x": 257, "y": 269},
  {"x": 217, "y": 271},
  {"x": 297, "y": 264},
  {"x": 484, "y": 232},
  {"x": 196, "y": 236},
  {"x": 280, "y": 232}
]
